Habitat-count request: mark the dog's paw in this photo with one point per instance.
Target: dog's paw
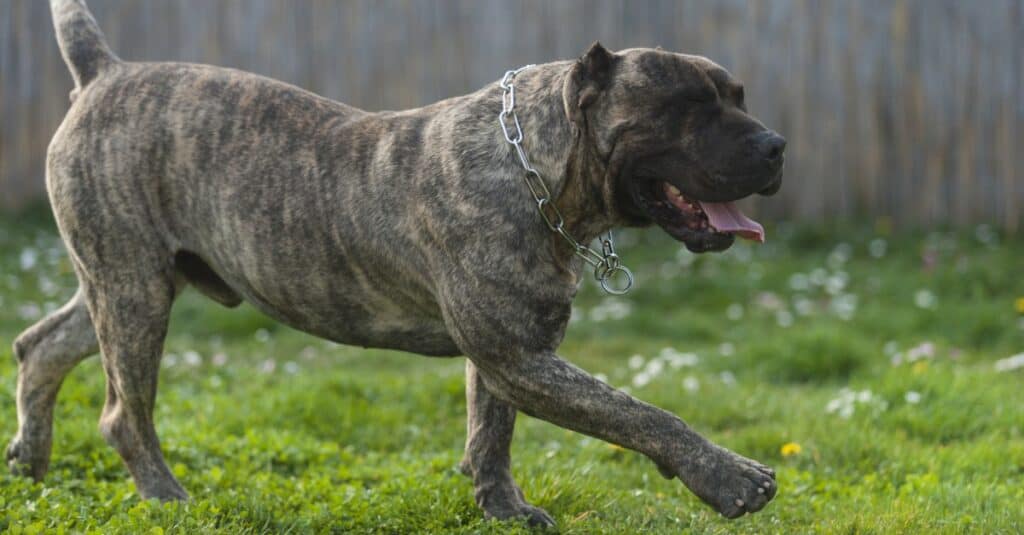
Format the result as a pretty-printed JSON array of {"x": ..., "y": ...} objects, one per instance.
[
  {"x": 505, "y": 501},
  {"x": 23, "y": 462},
  {"x": 534, "y": 516},
  {"x": 732, "y": 484},
  {"x": 163, "y": 488}
]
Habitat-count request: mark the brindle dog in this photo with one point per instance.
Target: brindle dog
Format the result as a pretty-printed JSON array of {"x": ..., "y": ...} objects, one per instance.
[{"x": 410, "y": 230}]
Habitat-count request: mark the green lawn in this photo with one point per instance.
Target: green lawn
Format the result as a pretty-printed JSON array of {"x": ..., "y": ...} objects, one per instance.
[{"x": 875, "y": 353}]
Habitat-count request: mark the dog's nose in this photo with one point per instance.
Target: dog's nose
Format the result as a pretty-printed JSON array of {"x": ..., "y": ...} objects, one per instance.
[{"x": 771, "y": 145}]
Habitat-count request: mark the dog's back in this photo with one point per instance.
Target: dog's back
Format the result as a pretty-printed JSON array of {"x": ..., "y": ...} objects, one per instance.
[{"x": 246, "y": 178}]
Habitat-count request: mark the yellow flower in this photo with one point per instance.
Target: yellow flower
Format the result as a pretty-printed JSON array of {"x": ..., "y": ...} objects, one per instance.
[
  {"x": 1019, "y": 305},
  {"x": 920, "y": 367},
  {"x": 790, "y": 449}
]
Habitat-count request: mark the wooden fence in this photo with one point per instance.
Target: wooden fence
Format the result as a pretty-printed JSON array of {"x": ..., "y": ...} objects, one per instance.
[{"x": 901, "y": 108}]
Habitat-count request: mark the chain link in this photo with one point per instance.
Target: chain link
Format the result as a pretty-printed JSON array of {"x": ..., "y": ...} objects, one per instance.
[{"x": 606, "y": 263}]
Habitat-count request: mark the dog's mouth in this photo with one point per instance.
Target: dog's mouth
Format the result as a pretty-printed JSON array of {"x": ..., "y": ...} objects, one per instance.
[{"x": 701, "y": 225}]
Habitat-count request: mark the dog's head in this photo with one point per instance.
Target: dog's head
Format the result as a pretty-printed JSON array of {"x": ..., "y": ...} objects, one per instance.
[{"x": 677, "y": 140}]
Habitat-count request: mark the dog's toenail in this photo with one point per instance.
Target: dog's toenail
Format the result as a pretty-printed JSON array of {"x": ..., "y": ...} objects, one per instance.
[
  {"x": 739, "y": 503},
  {"x": 760, "y": 490},
  {"x": 767, "y": 484}
]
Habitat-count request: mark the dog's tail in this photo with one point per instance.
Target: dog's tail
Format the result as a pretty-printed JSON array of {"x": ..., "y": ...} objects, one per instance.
[{"x": 81, "y": 42}]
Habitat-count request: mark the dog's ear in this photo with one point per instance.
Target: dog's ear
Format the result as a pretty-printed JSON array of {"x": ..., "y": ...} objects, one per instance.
[{"x": 588, "y": 77}]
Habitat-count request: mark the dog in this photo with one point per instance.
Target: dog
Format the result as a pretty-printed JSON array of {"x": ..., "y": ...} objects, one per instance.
[{"x": 410, "y": 230}]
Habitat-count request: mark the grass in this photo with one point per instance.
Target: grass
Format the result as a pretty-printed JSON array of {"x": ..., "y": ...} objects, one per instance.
[{"x": 874, "y": 353}]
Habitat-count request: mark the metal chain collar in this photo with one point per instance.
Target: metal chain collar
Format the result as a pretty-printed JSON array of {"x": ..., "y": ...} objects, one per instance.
[{"x": 606, "y": 263}]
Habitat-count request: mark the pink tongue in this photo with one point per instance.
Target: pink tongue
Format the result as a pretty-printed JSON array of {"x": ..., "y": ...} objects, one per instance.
[{"x": 727, "y": 217}]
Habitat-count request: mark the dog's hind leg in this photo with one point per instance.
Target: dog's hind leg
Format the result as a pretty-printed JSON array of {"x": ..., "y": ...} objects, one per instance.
[
  {"x": 46, "y": 353},
  {"x": 489, "y": 429},
  {"x": 130, "y": 307}
]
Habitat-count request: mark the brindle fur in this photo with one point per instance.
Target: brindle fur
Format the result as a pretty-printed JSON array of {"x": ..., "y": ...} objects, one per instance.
[{"x": 410, "y": 230}]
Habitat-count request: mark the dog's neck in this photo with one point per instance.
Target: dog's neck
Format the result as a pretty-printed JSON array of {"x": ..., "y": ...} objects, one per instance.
[{"x": 563, "y": 153}]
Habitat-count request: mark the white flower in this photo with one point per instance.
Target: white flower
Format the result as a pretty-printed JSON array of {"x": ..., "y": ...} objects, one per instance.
[
  {"x": 798, "y": 282},
  {"x": 219, "y": 359},
  {"x": 29, "y": 311},
  {"x": 47, "y": 286},
  {"x": 839, "y": 255},
  {"x": 925, "y": 350},
  {"x": 268, "y": 366},
  {"x": 784, "y": 318},
  {"x": 601, "y": 377},
  {"x": 191, "y": 358},
  {"x": 641, "y": 379},
  {"x": 676, "y": 359},
  {"x": 654, "y": 367},
  {"x": 925, "y": 299},
  {"x": 768, "y": 300},
  {"x": 727, "y": 377},
  {"x": 836, "y": 283},
  {"x": 691, "y": 384},
  {"x": 984, "y": 234},
  {"x": 727, "y": 349},
  {"x": 734, "y": 311},
  {"x": 912, "y": 397},
  {"x": 877, "y": 248},
  {"x": 636, "y": 362},
  {"x": 291, "y": 367},
  {"x": 28, "y": 258},
  {"x": 844, "y": 306},
  {"x": 1010, "y": 363},
  {"x": 262, "y": 335},
  {"x": 845, "y": 404},
  {"x": 803, "y": 306}
]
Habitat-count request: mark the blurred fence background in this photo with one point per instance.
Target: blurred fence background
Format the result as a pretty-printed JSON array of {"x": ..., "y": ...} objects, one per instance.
[{"x": 904, "y": 109}]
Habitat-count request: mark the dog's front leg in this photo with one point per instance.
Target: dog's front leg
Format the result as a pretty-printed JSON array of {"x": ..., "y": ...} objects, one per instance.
[
  {"x": 547, "y": 387},
  {"x": 489, "y": 430}
]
